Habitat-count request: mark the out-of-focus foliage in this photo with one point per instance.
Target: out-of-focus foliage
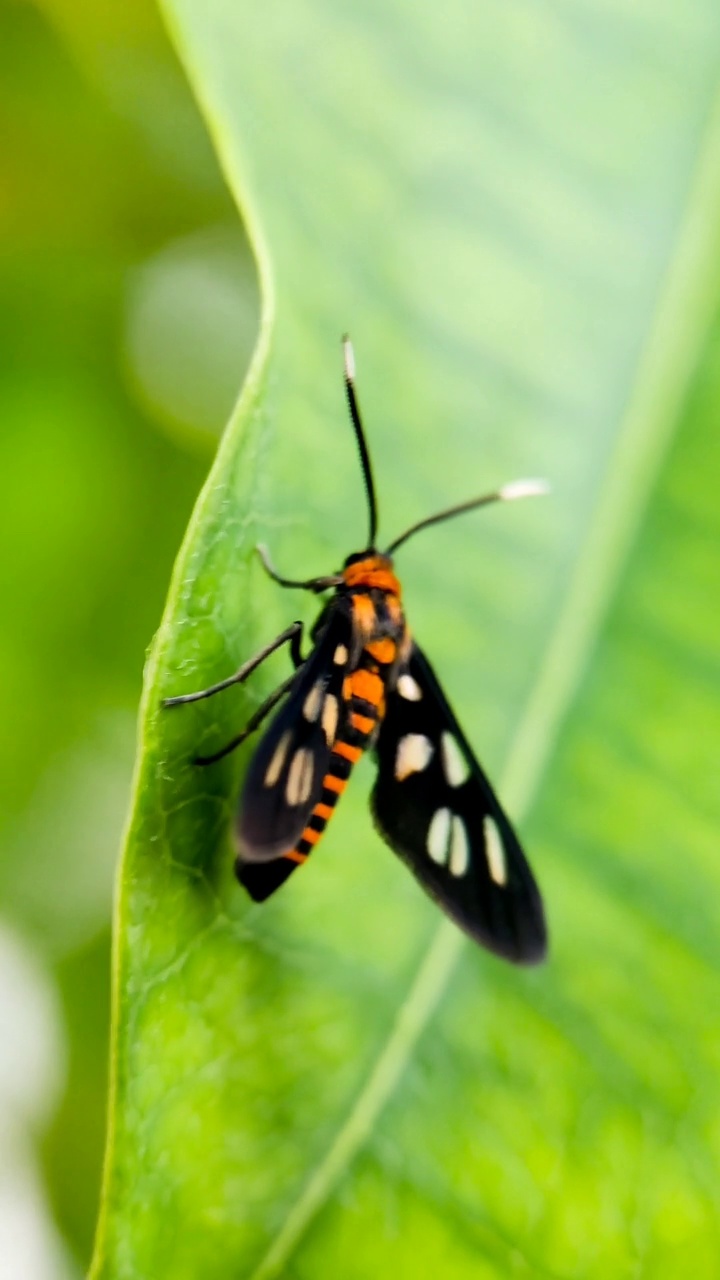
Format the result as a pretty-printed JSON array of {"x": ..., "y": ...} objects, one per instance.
[
  {"x": 514, "y": 209},
  {"x": 107, "y": 183}
]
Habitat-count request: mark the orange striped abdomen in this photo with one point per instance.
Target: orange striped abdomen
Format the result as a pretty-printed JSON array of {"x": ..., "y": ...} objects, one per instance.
[{"x": 364, "y": 694}]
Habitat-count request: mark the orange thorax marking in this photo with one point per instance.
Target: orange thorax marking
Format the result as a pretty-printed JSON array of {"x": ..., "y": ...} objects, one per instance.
[
  {"x": 382, "y": 650},
  {"x": 373, "y": 571},
  {"x": 392, "y": 604},
  {"x": 364, "y": 614}
]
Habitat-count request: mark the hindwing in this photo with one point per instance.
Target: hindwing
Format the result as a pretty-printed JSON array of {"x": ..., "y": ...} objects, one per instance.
[{"x": 435, "y": 807}]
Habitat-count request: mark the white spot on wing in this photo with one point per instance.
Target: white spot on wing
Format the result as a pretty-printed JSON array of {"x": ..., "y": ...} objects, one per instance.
[
  {"x": 459, "y": 860},
  {"x": 277, "y": 760},
  {"x": 340, "y": 656},
  {"x": 300, "y": 776},
  {"x": 437, "y": 836},
  {"x": 313, "y": 702},
  {"x": 495, "y": 852},
  {"x": 409, "y": 688},
  {"x": 414, "y": 753},
  {"x": 330, "y": 717},
  {"x": 454, "y": 762}
]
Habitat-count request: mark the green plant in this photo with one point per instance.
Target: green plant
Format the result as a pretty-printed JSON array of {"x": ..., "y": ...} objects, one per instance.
[{"x": 515, "y": 214}]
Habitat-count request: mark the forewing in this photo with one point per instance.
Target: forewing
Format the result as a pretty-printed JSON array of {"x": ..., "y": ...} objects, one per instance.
[
  {"x": 261, "y": 879},
  {"x": 285, "y": 777},
  {"x": 437, "y": 810}
]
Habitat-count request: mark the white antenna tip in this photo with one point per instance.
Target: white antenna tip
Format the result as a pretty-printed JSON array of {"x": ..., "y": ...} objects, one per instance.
[
  {"x": 523, "y": 489},
  {"x": 349, "y": 358}
]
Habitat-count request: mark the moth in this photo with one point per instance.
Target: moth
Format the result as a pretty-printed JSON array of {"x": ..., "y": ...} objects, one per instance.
[{"x": 366, "y": 685}]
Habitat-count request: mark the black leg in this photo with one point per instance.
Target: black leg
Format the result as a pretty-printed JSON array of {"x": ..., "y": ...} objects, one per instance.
[
  {"x": 311, "y": 584},
  {"x": 253, "y": 723},
  {"x": 295, "y": 654},
  {"x": 293, "y": 633}
]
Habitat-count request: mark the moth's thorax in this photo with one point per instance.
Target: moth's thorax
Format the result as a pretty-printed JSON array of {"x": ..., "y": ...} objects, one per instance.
[
  {"x": 371, "y": 571},
  {"x": 378, "y": 617}
]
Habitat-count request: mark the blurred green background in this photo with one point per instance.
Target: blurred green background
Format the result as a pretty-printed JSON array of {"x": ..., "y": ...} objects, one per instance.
[{"x": 128, "y": 310}]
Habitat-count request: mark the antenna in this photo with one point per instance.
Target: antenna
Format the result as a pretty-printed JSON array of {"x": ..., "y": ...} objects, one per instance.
[
  {"x": 508, "y": 493},
  {"x": 349, "y": 369}
]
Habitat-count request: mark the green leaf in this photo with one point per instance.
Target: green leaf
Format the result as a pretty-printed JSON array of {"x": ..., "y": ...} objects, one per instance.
[{"x": 514, "y": 212}]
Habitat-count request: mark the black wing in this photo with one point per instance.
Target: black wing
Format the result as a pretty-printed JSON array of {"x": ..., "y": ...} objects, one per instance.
[
  {"x": 437, "y": 810},
  {"x": 285, "y": 777},
  {"x": 261, "y": 879}
]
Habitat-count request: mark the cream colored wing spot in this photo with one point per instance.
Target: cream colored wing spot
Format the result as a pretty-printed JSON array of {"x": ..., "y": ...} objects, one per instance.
[
  {"x": 459, "y": 860},
  {"x": 341, "y": 655},
  {"x": 495, "y": 852},
  {"x": 409, "y": 688},
  {"x": 330, "y": 714},
  {"x": 455, "y": 765},
  {"x": 313, "y": 702},
  {"x": 277, "y": 760},
  {"x": 414, "y": 753},
  {"x": 438, "y": 836},
  {"x": 300, "y": 776}
]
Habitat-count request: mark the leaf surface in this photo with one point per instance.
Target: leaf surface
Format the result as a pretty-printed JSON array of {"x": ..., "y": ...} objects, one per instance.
[{"x": 514, "y": 212}]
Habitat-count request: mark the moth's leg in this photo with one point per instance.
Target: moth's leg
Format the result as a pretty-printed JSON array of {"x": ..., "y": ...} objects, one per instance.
[
  {"x": 291, "y": 634},
  {"x": 253, "y": 723},
  {"x": 309, "y": 584}
]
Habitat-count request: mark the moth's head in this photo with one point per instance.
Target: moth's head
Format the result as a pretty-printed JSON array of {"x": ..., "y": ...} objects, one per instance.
[
  {"x": 370, "y": 569},
  {"x": 371, "y": 556}
]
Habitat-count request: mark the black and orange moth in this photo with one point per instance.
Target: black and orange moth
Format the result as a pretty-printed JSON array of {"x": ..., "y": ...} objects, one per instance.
[{"x": 366, "y": 685}]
